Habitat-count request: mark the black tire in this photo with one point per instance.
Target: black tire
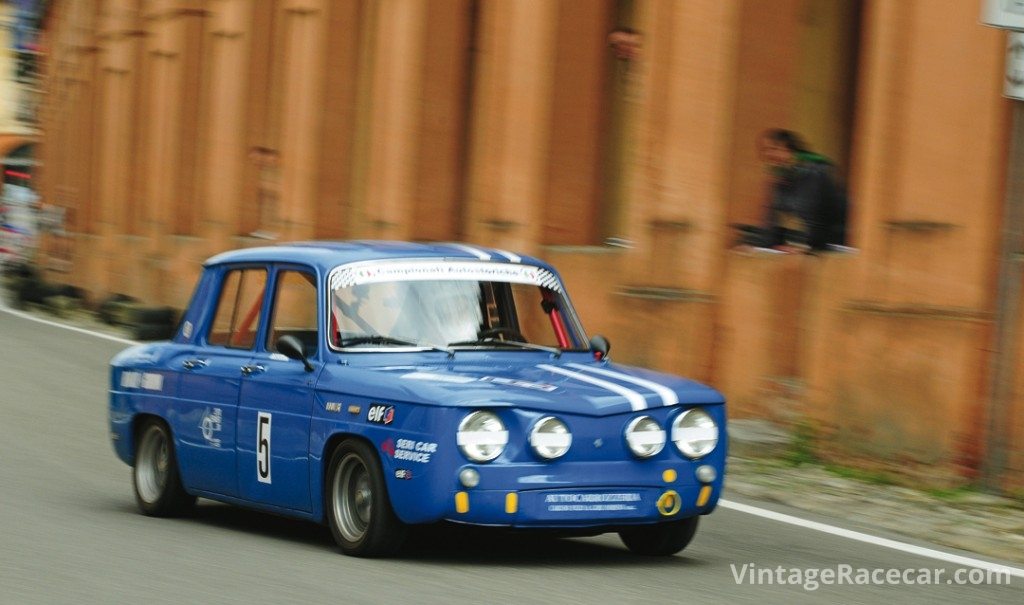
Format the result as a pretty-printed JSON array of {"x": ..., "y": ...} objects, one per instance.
[
  {"x": 111, "y": 307},
  {"x": 155, "y": 478},
  {"x": 660, "y": 540},
  {"x": 151, "y": 315},
  {"x": 357, "y": 505}
]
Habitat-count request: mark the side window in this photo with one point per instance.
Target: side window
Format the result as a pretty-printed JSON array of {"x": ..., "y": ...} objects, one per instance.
[
  {"x": 235, "y": 323},
  {"x": 294, "y": 310},
  {"x": 540, "y": 318}
]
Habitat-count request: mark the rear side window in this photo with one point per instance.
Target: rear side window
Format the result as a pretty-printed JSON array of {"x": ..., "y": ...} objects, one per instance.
[{"x": 236, "y": 321}]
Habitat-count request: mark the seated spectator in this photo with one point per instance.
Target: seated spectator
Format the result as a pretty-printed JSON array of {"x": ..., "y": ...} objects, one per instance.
[{"x": 807, "y": 205}]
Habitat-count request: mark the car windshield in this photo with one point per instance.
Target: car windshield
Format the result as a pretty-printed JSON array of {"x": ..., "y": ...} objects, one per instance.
[{"x": 451, "y": 305}]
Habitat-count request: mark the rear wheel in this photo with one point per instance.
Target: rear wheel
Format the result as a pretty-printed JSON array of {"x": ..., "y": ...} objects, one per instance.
[
  {"x": 158, "y": 489},
  {"x": 358, "y": 509},
  {"x": 662, "y": 539}
]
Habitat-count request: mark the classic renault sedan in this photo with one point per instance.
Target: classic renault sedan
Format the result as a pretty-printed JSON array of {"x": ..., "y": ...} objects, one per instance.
[{"x": 372, "y": 386}]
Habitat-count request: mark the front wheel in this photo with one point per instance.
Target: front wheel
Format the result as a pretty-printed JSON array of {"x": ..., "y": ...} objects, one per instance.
[
  {"x": 155, "y": 478},
  {"x": 358, "y": 509},
  {"x": 662, "y": 539}
]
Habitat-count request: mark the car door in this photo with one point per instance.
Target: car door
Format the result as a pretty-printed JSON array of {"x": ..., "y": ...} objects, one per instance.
[
  {"x": 277, "y": 399},
  {"x": 210, "y": 381}
]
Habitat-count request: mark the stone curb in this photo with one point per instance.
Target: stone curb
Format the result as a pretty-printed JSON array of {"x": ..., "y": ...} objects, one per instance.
[{"x": 977, "y": 522}]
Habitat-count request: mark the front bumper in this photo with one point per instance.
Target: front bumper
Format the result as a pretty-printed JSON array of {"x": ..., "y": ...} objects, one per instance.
[{"x": 582, "y": 507}]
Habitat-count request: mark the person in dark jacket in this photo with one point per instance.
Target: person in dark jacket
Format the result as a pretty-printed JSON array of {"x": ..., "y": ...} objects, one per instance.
[{"x": 807, "y": 204}]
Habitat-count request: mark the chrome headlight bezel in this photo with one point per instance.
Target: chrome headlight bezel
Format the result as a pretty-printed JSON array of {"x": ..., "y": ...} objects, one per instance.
[
  {"x": 695, "y": 433},
  {"x": 547, "y": 441},
  {"x": 643, "y": 441},
  {"x": 481, "y": 436}
]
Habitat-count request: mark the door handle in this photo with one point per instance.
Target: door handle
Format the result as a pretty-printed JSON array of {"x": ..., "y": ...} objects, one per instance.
[
  {"x": 253, "y": 369},
  {"x": 191, "y": 364}
]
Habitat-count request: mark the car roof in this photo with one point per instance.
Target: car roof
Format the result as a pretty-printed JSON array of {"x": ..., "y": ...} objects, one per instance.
[{"x": 329, "y": 254}]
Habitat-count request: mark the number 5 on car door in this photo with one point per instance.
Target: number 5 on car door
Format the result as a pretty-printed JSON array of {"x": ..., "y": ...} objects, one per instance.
[{"x": 263, "y": 447}]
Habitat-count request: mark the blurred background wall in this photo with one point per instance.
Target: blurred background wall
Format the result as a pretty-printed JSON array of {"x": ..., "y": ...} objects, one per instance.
[
  {"x": 20, "y": 90},
  {"x": 174, "y": 129}
]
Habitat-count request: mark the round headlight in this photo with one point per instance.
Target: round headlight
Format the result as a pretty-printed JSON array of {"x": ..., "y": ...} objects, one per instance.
[
  {"x": 695, "y": 433},
  {"x": 550, "y": 438},
  {"x": 645, "y": 436},
  {"x": 482, "y": 436}
]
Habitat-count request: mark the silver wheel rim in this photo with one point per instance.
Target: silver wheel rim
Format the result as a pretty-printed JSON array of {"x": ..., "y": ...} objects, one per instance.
[
  {"x": 151, "y": 465},
  {"x": 353, "y": 498}
]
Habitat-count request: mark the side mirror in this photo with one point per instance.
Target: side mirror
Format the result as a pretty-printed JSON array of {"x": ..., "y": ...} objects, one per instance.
[
  {"x": 599, "y": 346},
  {"x": 292, "y": 348}
]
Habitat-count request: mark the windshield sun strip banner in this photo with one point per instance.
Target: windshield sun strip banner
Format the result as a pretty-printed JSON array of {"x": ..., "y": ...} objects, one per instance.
[{"x": 387, "y": 271}]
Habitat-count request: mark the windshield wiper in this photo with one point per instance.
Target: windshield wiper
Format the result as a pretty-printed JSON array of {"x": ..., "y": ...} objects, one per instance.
[
  {"x": 380, "y": 339},
  {"x": 515, "y": 343}
]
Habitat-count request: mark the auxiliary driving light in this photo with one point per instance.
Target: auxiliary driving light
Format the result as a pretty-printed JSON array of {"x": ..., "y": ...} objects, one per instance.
[
  {"x": 706, "y": 473},
  {"x": 469, "y": 477}
]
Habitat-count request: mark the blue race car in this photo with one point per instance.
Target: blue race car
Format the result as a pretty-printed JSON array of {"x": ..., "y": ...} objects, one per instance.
[{"x": 376, "y": 385}]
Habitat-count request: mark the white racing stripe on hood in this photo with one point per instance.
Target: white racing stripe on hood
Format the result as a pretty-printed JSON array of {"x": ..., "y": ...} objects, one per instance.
[
  {"x": 515, "y": 258},
  {"x": 471, "y": 250},
  {"x": 668, "y": 396},
  {"x": 636, "y": 400}
]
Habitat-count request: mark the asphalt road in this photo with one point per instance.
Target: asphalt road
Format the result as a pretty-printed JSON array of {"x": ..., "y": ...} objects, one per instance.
[{"x": 69, "y": 532}]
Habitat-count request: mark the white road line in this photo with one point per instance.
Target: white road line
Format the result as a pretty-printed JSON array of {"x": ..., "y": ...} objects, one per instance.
[
  {"x": 931, "y": 553},
  {"x": 668, "y": 396},
  {"x": 66, "y": 326},
  {"x": 764, "y": 513}
]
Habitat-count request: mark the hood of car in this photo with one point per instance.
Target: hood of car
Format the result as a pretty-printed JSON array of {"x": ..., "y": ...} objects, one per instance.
[{"x": 563, "y": 386}]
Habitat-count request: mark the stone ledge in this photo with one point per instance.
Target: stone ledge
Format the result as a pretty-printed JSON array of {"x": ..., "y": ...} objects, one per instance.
[
  {"x": 918, "y": 311},
  {"x": 660, "y": 293}
]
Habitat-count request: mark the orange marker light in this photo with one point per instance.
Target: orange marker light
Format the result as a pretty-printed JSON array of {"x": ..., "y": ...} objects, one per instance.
[{"x": 704, "y": 495}]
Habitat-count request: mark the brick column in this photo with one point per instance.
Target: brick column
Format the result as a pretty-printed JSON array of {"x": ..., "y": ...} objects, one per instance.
[
  {"x": 116, "y": 213},
  {"x": 303, "y": 38},
  {"x": 677, "y": 203},
  {"x": 391, "y": 132},
  {"x": 511, "y": 116},
  {"x": 677, "y": 188},
  {"x": 225, "y": 153},
  {"x": 927, "y": 185}
]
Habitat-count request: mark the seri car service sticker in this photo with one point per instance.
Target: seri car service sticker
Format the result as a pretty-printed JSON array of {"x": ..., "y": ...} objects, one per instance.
[{"x": 409, "y": 450}]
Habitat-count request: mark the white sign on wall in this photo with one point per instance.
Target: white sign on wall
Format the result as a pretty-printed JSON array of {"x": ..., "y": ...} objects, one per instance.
[
  {"x": 1013, "y": 85},
  {"x": 1008, "y": 14}
]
